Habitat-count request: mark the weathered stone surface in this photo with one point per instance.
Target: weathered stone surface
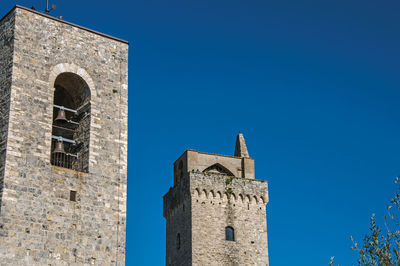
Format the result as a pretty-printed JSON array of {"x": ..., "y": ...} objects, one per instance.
[
  {"x": 178, "y": 213},
  {"x": 241, "y": 148},
  {"x": 39, "y": 225},
  {"x": 6, "y": 62},
  {"x": 202, "y": 204},
  {"x": 192, "y": 160}
]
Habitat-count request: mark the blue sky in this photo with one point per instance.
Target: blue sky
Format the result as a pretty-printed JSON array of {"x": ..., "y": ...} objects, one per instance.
[{"x": 313, "y": 85}]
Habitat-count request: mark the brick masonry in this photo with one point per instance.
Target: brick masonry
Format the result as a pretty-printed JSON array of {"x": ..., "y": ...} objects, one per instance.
[{"x": 39, "y": 225}]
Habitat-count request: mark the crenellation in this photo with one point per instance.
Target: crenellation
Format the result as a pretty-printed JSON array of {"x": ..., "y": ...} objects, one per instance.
[{"x": 256, "y": 189}]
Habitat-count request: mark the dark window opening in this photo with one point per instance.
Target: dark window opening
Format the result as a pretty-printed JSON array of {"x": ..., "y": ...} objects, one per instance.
[
  {"x": 229, "y": 233},
  {"x": 72, "y": 195},
  {"x": 71, "y": 123},
  {"x": 178, "y": 241}
]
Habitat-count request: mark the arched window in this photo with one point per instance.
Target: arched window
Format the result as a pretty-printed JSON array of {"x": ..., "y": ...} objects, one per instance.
[
  {"x": 71, "y": 123},
  {"x": 178, "y": 241},
  {"x": 229, "y": 233}
]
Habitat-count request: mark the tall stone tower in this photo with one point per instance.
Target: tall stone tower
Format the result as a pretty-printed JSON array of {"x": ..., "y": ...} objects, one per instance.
[
  {"x": 63, "y": 142},
  {"x": 216, "y": 210}
]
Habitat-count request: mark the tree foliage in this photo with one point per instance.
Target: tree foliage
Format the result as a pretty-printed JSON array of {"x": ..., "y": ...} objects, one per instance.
[{"x": 381, "y": 246}]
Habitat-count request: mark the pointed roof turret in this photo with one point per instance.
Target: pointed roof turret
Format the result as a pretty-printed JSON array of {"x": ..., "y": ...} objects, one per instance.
[{"x": 241, "y": 149}]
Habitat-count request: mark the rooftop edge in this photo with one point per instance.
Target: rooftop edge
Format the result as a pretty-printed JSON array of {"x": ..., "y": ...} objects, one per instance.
[
  {"x": 63, "y": 21},
  {"x": 213, "y": 154}
]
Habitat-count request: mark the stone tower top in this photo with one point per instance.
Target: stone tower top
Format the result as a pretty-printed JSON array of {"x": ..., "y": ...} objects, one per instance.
[
  {"x": 240, "y": 165},
  {"x": 216, "y": 212},
  {"x": 241, "y": 149}
]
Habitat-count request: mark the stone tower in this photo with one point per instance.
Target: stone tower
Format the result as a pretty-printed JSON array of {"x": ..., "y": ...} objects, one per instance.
[
  {"x": 63, "y": 142},
  {"x": 216, "y": 210}
]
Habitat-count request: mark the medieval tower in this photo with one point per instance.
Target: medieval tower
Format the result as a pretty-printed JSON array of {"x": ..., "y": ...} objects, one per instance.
[
  {"x": 63, "y": 142},
  {"x": 215, "y": 211}
]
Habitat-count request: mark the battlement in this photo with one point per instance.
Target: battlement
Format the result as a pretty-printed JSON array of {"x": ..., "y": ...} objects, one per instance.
[
  {"x": 215, "y": 188},
  {"x": 176, "y": 196},
  {"x": 226, "y": 188}
]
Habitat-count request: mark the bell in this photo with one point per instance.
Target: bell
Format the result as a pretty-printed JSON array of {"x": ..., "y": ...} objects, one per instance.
[
  {"x": 61, "y": 116},
  {"x": 59, "y": 147}
]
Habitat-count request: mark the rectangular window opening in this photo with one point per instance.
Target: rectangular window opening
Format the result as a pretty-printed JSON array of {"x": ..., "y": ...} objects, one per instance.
[{"x": 72, "y": 195}]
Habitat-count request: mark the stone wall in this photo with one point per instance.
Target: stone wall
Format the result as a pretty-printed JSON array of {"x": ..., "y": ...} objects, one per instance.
[
  {"x": 216, "y": 201},
  {"x": 40, "y": 224},
  {"x": 177, "y": 212},
  {"x": 220, "y": 201},
  {"x": 6, "y": 52},
  {"x": 192, "y": 160}
]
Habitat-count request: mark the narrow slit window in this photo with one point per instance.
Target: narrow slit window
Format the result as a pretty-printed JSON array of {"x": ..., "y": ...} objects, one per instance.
[
  {"x": 178, "y": 241},
  {"x": 229, "y": 233}
]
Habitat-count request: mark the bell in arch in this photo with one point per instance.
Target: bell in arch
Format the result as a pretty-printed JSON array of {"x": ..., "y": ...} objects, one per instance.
[
  {"x": 59, "y": 147},
  {"x": 61, "y": 116}
]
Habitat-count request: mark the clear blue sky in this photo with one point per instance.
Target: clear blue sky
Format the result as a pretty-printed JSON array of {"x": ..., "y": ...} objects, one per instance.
[{"x": 313, "y": 85}]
